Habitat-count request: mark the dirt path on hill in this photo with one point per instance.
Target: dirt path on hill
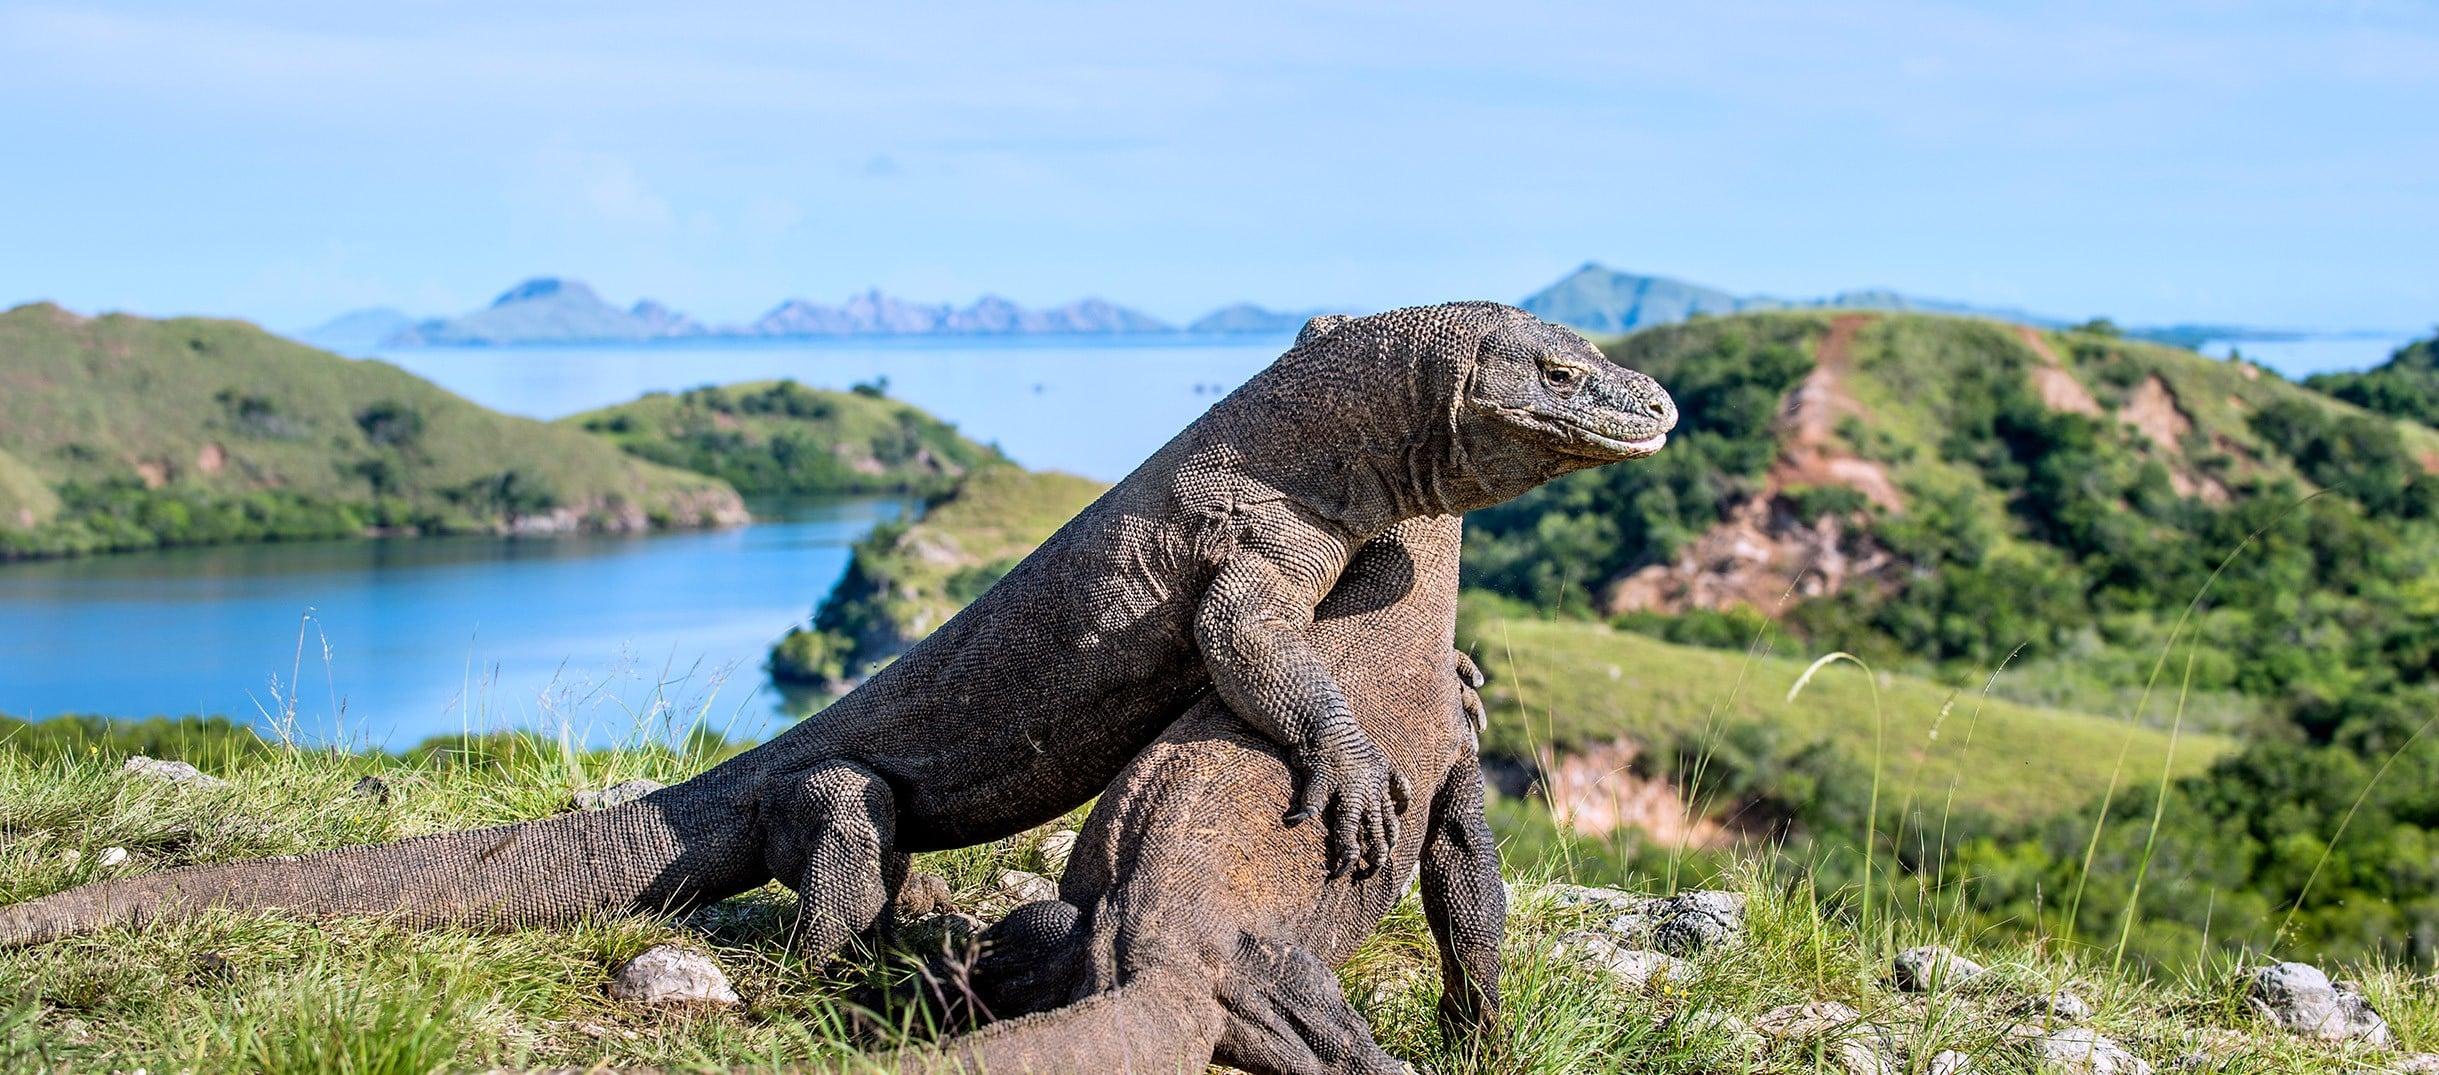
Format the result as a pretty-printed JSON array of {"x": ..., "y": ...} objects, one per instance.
[{"x": 1811, "y": 454}]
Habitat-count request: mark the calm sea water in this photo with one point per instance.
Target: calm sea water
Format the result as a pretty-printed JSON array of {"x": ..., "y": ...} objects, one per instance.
[{"x": 387, "y": 642}]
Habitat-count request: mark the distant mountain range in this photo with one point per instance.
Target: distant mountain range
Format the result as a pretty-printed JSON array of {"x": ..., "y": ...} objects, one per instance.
[
  {"x": 1595, "y": 298},
  {"x": 1600, "y": 299},
  {"x": 561, "y": 311}
]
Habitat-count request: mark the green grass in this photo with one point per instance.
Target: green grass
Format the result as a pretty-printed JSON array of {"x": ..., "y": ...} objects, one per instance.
[
  {"x": 235, "y": 992},
  {"x": 782, "y": 437},
  {"x": 1567, "y": 684},
  {"x": 137, "y": 431}
]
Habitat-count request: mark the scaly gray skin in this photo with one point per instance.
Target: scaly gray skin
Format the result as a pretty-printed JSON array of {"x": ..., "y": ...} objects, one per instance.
[
  {"x": 1193, "y": 925},
  {"x": 1199, "y": 571}
]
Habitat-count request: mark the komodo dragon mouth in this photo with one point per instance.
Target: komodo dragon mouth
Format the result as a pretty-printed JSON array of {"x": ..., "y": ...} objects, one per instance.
[{"x": 1614, "y": 445}]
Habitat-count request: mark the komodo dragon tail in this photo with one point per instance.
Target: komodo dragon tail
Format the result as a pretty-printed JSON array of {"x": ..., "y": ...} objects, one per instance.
[
  {"x": 670, "y": 850},
  {"x": 1157, "y": 1024}
]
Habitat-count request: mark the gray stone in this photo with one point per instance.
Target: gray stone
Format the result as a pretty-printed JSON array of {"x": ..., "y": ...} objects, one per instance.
[
  {"x": 371, "y": 787},
  {"x": 1631, "y": 967},
  {"x": 1693, "y": 922},
  {"x": 174, "y": 772},
  {"x": 1921, "y": 970},
  {"x": 1056, "y": 849},
  {"x": 667, "y": 974},
  {"x": 1843, "y": 1037},
  {"x": 111, "y": 856},
  {"x": 2060, "y": 1007},
  {"x": 2415, "y": 1064},
  {"x": 619, "y": 794},
  {"x": 1601, "y": 900},
  {"x": 2078, "y": 1051},
  {"x": 1023, "y": 887},
  {"x": 2300, "y": 999}
]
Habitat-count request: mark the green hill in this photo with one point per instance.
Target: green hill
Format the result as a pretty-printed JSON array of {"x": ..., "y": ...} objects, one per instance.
[
  {"x": 122, "y": 432},
  {"x": 2115, "y": 523},
  {"x": 1570, "y": 686},
  {"x": 907, "y": 578},
  {"x": 781, "y": 437},
  {"x": 2406, "y": 386}
]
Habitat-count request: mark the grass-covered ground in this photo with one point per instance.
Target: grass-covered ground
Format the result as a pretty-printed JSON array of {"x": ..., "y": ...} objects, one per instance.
[
  {"x": 782, "y": 437},
  {"x": 124, "y": 432},
  {"x": 1566, "y": 684},
  {"x": 240, "y": 993}
]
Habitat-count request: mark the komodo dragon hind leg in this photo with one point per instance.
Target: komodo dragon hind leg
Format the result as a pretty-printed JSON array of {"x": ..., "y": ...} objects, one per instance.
[
  {"x": 1287, "y": 1016},
  {"x": 831, "y": 836}
]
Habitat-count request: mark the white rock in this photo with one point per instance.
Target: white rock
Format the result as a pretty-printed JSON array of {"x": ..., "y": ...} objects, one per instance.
[
  {"x": 1057, "y": 848},
  {"x": 71, "y": 856},
  {"x": 1921, "y": 970},
  {"x": 618, "y": 794},
  {"x": 1846, "y": 1040},
  {"x": 175, "y": 772},
  {"x": 1024, "y": 887},
  {"x": 2415, "y": 1064},
  {"x": 2301, "y": 999},
  {"x": 1633, "y": 968},
  {"x": 1592, "y": 898},
  {"x": 667, "y": 974},
  {"x": 2078, "y": 1051},
  {"x": 111, "y": 856}
]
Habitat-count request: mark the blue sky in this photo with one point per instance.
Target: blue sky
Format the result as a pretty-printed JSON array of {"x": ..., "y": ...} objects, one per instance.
[{"x": 2154, "y": 162}]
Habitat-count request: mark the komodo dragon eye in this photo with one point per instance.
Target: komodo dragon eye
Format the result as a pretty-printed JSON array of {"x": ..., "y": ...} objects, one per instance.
[{"x": 1561, "y": 376}]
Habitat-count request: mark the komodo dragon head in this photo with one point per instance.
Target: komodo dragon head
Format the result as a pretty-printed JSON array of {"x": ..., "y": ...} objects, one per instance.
[{"x": 1494, "y": 402}]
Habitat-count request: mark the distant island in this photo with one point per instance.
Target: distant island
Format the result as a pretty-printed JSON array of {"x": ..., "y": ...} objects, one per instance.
[
  {"x": 1594, "y": 297},
  {"x": 553, "y": 310},
  {"x": 1597, "y": 298}
]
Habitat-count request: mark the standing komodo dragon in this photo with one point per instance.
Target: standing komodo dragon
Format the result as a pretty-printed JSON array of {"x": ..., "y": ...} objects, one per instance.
[
  {"x": 1200, "y": 570},
  {"x": 1191, "y": 920}
]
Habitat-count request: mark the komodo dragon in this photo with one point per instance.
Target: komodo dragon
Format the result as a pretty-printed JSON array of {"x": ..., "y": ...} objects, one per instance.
[
  {"x": 1192, "y": 920},
  {"x": 1200, "y": 569}
]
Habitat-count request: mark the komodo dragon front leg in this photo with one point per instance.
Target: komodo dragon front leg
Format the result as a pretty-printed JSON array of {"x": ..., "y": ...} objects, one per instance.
[{"x": 1255, "y": 626}]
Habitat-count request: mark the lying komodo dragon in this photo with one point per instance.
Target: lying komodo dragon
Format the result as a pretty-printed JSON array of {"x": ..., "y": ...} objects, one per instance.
[
  {"x": 1191, "y": 920},
  {"x": 1199, "y": 570}
]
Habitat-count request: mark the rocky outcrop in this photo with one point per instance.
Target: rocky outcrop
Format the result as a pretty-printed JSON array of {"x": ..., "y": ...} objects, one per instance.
[{"x": 2300, "y": 999}]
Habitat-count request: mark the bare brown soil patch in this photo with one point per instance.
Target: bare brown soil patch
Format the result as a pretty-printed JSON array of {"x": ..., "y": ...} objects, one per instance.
[
  {"x": 2059, "y": 389},
  {"x": 1597, "y": 791},
  {"x": 212, "y": 459},
  {"x": 1761, "y": 557},
  {"x": 153, "y": 472},
  {"x": 2152, "y": 409},
  {"x": 1810, "y": 452}
]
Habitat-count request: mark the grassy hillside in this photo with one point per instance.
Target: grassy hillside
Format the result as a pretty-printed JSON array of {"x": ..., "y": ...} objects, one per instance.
[
  {"x": 122, "y": 432},
  {"x": 1568, "y": 685},
  {"x": 2118, "y": 524},
  {"x": 781, "y": 437},
  {"x": 234, "y": 992},
  {"x": 908, "y": 578}
]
